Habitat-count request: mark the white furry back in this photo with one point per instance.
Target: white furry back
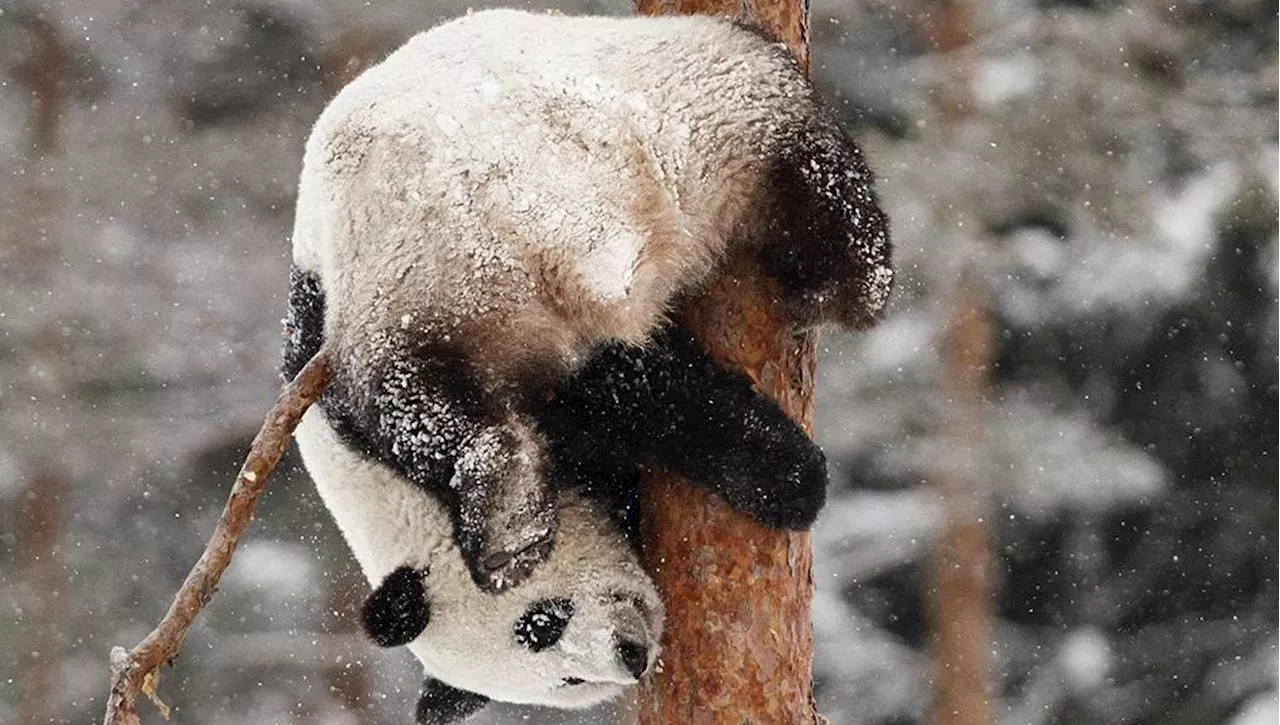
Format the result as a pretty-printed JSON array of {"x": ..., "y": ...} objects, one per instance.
[{"x": 505, "y": 159}]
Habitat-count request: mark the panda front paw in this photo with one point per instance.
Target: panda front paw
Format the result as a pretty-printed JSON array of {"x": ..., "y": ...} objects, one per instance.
[
  {"x": 788, "y": 491},
  {"x": 505, "y": 556},
  {"x": 506, "y": 510}
]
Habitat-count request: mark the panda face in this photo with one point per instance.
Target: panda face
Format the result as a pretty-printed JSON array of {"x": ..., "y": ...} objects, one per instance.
[{"x": 585, "y": 625}]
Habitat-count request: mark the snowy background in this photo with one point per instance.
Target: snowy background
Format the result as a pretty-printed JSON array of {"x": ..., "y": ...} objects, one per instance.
[{"x": 1106, "y": 169}]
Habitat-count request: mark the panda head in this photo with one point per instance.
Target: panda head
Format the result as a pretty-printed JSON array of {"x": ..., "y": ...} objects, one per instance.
[{"x": 584, "y": 625}]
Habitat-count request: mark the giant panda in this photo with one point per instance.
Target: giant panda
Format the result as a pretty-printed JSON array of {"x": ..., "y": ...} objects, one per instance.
[{"x": 492, "y": 227}]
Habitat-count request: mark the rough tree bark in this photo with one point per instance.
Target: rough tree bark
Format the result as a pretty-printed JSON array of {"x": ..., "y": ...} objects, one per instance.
[{"x": 738, "y": 645}]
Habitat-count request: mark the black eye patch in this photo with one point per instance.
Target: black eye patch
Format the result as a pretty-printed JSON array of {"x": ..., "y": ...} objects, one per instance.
[{"x": 543, "y": 623}]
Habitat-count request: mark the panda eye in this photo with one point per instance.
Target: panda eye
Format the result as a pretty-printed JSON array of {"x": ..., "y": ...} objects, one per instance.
[{"x": 543, "y": 623}]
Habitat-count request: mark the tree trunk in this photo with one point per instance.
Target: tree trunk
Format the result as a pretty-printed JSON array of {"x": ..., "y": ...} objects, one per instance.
[
  {"x": 44, "y": 582},
  {"x": 959, "y": 577},
  {"x": 738, "y": 645},
  {"x": 959, "y": 594},
  {"x": 34, "y": 248}
]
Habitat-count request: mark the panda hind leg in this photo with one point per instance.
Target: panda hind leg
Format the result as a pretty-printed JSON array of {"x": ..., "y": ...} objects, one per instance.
[
  {"x": 826, "y": 239},
  {"x": 485, "y": 461},
  {"x": 420, "y": 410}
]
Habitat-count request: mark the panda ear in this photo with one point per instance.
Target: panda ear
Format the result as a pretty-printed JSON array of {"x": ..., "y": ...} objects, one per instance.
[
  {"x": 443, "y": 704},
  {"x": 397, "y": 611}
]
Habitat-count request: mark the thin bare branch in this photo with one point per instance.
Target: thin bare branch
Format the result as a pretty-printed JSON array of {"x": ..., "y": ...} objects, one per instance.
[{"x": 137, "y": 670}]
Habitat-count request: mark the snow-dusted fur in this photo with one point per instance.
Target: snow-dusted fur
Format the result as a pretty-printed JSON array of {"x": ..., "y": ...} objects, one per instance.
[
  {"x": 544, "y": 183},
  {"x": 492, "y": 226},
  {"x": 469, "y": 639}
]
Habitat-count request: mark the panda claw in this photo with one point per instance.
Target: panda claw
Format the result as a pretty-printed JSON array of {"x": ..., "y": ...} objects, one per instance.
[
  {"x": 497, "y": 561},
  {"x": 503, "y": 570}
]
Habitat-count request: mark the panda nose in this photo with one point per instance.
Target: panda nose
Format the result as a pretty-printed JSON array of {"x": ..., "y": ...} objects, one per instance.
[{"x": 634, "y": 656}]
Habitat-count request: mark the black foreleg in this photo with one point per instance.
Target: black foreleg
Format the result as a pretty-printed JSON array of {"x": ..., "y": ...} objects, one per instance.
[
  {"x": 418, "y": 409},
  {"x": 670, "y": 404},
  {"x": 303, "y": 322}
]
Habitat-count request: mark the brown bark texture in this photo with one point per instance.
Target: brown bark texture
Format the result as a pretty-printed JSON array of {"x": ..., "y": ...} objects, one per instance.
[
  {"x": 355, "y": 50},
  {"x": 960, "y": 572},
  {"x": 40, "y": 523},
  {"x": 786, "y": 20},
  {"x": 137, "y": 670},
  {"x": 738, "y": 645}
]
